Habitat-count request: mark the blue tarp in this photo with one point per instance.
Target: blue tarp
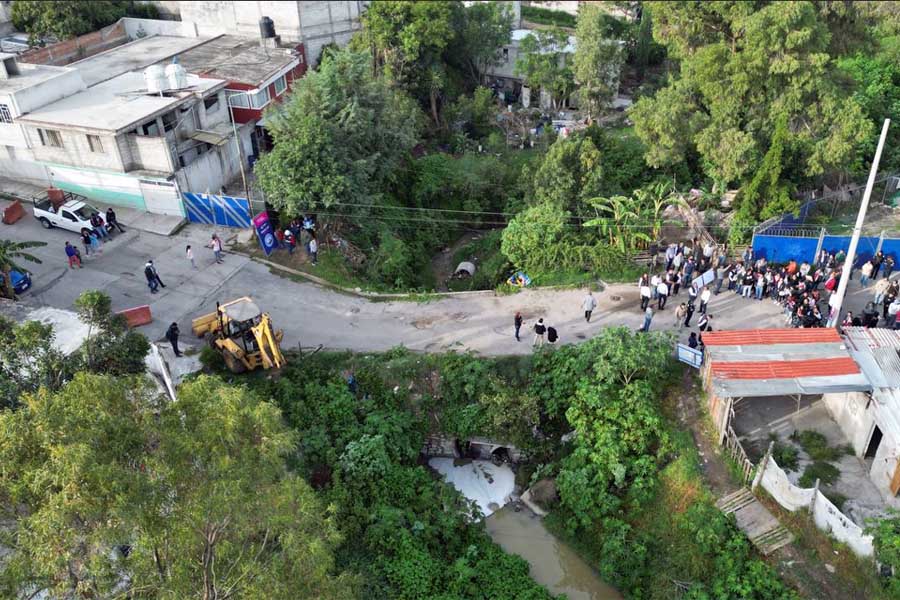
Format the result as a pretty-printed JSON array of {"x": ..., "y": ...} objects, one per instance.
[{"x": 216, "y": 210}]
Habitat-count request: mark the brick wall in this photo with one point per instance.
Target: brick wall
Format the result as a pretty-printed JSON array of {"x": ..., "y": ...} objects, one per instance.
[{"x": 63, "y": 53}]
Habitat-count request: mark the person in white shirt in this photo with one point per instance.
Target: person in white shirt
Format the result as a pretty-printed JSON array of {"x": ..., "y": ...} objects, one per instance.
[
  {"x": 588, "y": 304},
  {"x": 654, "y": 284},
  {"x": 662, "y": 291},
  {"x": 645, "y": 296},
  {"x": 705, "y": 295}
]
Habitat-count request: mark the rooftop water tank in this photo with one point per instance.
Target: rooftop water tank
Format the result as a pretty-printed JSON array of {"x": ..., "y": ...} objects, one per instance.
[
  {"x": 266, "y": 28},
  {"x": 155, "y": 78},
  {"x": 176, "y": 76}
]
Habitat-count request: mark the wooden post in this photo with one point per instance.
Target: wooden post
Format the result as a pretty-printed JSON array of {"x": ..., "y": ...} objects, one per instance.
[{"x": 762, "y": 466}]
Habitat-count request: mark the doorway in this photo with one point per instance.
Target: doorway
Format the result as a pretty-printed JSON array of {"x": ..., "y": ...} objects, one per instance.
[{"x": 874, "y": 442}]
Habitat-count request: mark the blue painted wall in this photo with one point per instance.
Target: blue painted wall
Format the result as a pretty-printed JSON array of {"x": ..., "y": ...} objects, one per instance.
[{"x": 776, "y": 248}]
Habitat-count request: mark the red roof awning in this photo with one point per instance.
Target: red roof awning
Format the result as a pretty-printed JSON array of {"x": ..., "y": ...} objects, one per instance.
[
  {"x": 771, "y": 336},
  {"x": 785, "y": 369}
]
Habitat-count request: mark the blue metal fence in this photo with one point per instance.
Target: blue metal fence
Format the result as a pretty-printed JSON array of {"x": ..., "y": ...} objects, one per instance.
[
  {"x": 217, "y": 210},
  {"x": 782, "y": 248}
]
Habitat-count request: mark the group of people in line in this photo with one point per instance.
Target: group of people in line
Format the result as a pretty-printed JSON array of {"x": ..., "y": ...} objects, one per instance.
[
  {"x": 886, "y": 299},
  {"x": 298, "y": 229}
]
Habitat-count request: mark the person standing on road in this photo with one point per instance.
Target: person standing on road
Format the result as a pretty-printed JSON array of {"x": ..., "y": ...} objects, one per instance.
[
  {"x": 172, "y": 335},
  {"x": 646, "y": 293},
  {"x": 189, "y": 254},
  {"x": 704, "y": 323},
  {"x": 72, "y": 254},
  {"x": 648, "y": 316},
  {"x": 216, "y": 244},
  {"x": 155, "y": 273},
  {"x": 704, "y": 300},
  {"x": 96, "y": 244},
  {"x": 313, "y": 250},
  {"x": 663, "y": 292},
  {"x": 689, "y": 314},
  {"x": 588, "y": 304},
  {"x": 150, "y": 274},
  {"x": 881, "y": 288},
  {"x": 680, "y": 313},
  {"x": 539, "y": 331},
  {"x": 865, "y": 272},
  {"x": 888, "y": 266},
  {"x": 113, "y": 221},
  {"x": 517, "y": 322},
  {"x": 86, "y": 240}
]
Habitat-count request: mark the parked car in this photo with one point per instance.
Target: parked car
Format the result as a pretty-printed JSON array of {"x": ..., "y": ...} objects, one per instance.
[
  {"x": 21, "y": 282},
  {"x": 74, "y": 214}
]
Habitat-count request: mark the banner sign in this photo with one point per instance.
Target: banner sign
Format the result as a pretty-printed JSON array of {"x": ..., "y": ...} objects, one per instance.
[
  {"x": 703, "y": 280},
  {"x": 689, "y": 355},
  {"x": 264, "y": 232}
]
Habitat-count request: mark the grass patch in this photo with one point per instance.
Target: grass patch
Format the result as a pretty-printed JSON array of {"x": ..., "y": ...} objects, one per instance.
[
  {"x": 825, "y": 472},
  {"x": 816, "y": 446},
  {"x": 547, "y": 16}
]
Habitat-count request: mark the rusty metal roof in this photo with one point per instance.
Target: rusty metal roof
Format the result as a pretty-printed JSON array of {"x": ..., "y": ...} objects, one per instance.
[{"x": 771, "y": 336}]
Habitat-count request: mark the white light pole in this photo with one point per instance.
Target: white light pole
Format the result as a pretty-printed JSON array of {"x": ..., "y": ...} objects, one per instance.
[
  {"x": 228, "y": 95},
  {"x": 857, "y": 229}
]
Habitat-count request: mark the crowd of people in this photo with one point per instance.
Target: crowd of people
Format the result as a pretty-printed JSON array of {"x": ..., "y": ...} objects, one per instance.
[
  {"x": 805, "y": 291},
  {"x": 299, "y": 231}
]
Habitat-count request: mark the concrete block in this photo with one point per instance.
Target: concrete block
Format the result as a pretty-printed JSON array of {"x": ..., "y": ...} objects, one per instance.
[
  {"x": 137, "y": 316},
  {"x": 13, "y": 213}
]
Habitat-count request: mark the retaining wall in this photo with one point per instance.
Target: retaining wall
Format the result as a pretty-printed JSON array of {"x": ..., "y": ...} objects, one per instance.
[{"x": 83, "y": 46}]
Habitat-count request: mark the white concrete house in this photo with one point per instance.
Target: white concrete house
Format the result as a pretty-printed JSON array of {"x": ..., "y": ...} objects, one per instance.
[
  {"x": 23, "y": 88},
  {"x": 871, "y": 421}
]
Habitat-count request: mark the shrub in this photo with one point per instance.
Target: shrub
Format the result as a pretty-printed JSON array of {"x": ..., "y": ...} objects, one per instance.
[
  {"x": 816, "y": 445},
  {"x": 825, "y": 472},
  {"x": 211, "y": 359},
  {"x": 785, "y": 455}
]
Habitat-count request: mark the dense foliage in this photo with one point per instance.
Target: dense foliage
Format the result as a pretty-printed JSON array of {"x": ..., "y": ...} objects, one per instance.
[
  {"x": 64, "y": 19},
  {"x": 886, "y": 539},
  {"x": 111, "y": 489}
]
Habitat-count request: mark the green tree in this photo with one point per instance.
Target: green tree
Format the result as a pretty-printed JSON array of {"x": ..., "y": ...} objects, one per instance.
[
  {"x": 29, "y": 360},
  {"x": 597, "y": 61},
  {"x": 885, "y": 534},
  {"x": 197, "y": 490},
  {"x": 340, "y": 137},
  {"x": 64, "y": 19},
  {"x": 542, "y": 63},
  {"x": 111, "y": 346},
  {"x": 481, "y": 31},
  {"x": 10, "y": 253},
  {"x": 534, "y": 236},
  {"x": 743, "y": 66},
  {"x": 570, "y": 173}
]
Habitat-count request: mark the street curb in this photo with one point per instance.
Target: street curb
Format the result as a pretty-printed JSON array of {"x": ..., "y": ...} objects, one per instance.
[{"x": 394, "y": 295}]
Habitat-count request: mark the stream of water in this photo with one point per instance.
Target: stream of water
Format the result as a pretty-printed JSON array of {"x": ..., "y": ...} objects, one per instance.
[{"x": 553, "y": 563}]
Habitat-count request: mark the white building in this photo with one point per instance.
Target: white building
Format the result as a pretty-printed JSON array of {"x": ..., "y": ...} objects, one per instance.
[
  {"x": 23, "y": 88},
  {"x": 503, "y": 77},
  {"x": 871, "y": 421},
  {"x": 313, "y": 24}
]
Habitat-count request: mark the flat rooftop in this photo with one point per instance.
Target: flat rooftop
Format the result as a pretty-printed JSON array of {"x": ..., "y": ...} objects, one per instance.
[
  {"x": 235, "y": 58},
  {"x": 133, "y": 56},
  {"x": 114, "y": 105},
  {"x": 29, "y": 75}
]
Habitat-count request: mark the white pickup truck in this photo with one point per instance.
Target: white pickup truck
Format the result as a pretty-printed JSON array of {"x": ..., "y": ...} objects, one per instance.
[{"x": 74, "y": 214}]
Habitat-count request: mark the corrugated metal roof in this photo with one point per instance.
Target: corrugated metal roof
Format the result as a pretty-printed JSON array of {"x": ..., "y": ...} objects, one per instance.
[
  {"x": 877, "y": 350},
  {"x": 775, "y": 352},
  {"x": 785, "y": 369},
  {"x": 771, "y": 336},
  {"x": 755, "y": 388}
]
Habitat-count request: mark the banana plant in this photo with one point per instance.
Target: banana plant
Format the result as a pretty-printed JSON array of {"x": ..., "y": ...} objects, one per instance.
[
  {"x": 617, "y": 218},
  {"x": 653, "y": 199},
  {"x": 10, "y": 252}
]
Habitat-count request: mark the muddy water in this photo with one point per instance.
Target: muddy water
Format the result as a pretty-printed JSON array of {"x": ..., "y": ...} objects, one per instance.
[{"x": 553, "y": 564}]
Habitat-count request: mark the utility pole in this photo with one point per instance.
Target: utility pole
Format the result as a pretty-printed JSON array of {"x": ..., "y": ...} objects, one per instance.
[{"x": 857, "y": 230}]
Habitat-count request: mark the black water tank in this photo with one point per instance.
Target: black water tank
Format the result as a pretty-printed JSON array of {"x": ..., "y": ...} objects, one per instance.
[{"x": 266, "y": 28}]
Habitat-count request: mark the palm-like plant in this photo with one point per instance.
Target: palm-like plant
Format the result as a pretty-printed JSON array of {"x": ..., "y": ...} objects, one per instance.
[
  {"x": 653, "y": 199},
  {"x": 10, "y": 252},
  {"x": 616, "y": 218}
]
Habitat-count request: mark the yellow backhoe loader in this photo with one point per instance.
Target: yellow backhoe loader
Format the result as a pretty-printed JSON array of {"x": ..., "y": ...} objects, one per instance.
[{"x": 242, "y": 334}]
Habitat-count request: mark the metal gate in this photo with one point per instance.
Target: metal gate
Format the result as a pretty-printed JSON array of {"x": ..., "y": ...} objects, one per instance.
[{"x": 217, "y": 210}]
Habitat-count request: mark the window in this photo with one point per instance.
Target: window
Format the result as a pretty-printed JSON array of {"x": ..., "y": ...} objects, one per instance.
[
  {"x": 50, "y": 137},
  {"x": 211, "y": 104},
  {"x": 5, "y": 115},
  {"x": 260, "y": 99},
  {"x": 170, "y": 121},
  {"x": 280, "y": 85},
  {"x": 238, "y": 99},
  {"x": 95, "y": 143}
]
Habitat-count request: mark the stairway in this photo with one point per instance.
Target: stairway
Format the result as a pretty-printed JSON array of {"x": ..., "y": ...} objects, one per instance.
[{"x": 755, "y": 520}]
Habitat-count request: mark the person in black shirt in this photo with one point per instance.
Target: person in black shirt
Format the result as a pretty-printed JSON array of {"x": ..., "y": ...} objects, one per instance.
[
  {"x": 539, "y": 331},
  {"x": 517, "y": 321},
  {"x": 172, "y": 335}
]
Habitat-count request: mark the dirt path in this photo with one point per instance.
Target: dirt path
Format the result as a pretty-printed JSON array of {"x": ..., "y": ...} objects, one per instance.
[
  {"x": 802, "y": 563},
  {"x": 442, "y": 263}
]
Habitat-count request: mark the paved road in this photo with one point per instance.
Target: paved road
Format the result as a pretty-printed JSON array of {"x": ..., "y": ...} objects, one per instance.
[{"x": 311, "y": 315}]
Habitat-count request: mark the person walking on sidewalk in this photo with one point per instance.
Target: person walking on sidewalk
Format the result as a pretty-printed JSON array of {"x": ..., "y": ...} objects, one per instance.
[
  {"x": 172, "y": 335},
  {"x": 588, "y": 304},
  {"x": 150, "y": 274},
  {"x": 539, "y": 331},
  {"x": 113, "y": 221},
  {"x": 189, "y": 254},
  {"x": 517, "y": 323},
  {"x": 72, "y": 254},
  {"x": 155, "y": 273},
  {"x": 216, "y": 244},
  {"x": 648, "y": 316}
]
